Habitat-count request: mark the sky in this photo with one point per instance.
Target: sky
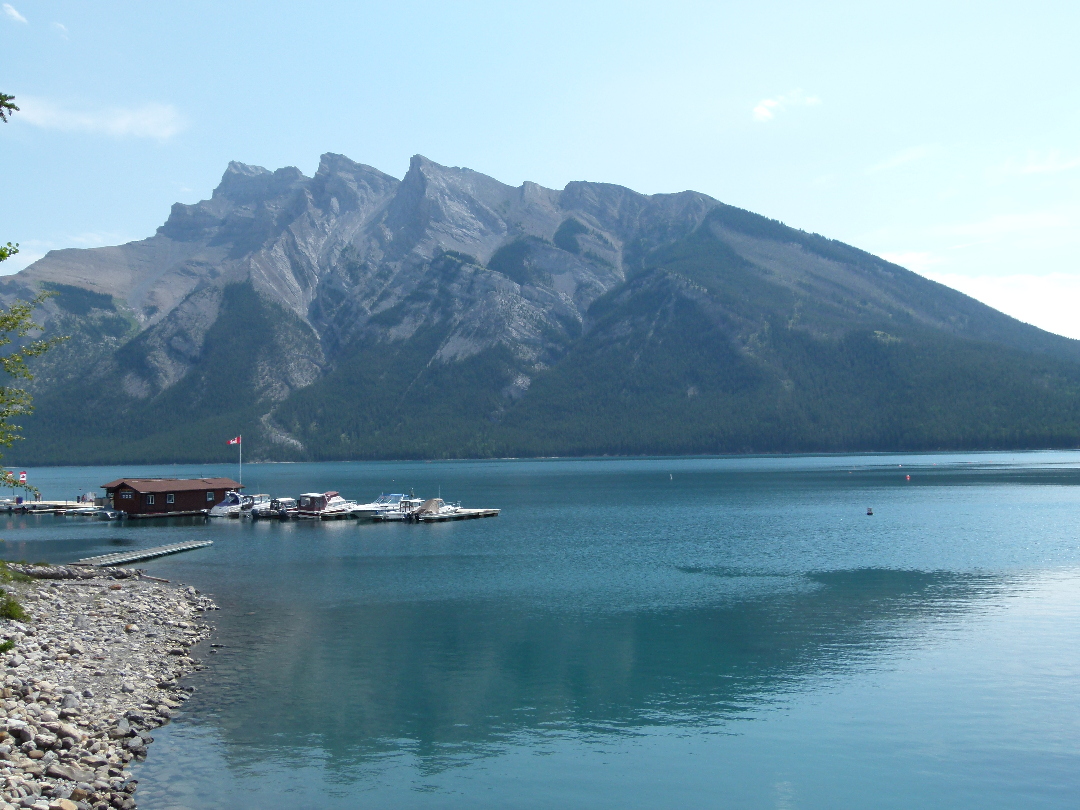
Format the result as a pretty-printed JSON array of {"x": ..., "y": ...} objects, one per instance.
[{"x": 944, "y": 136}]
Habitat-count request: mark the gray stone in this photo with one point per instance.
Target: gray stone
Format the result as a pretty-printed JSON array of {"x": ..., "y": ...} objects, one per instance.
[{"x": 71, "y": 773}]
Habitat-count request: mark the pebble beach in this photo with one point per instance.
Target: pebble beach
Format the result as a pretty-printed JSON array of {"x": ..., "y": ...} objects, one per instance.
[{"x": 91, "y": 666}]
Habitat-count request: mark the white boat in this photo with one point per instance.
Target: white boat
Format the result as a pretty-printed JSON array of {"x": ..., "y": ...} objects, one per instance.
[
  {"x": 279, "y": 508},
  {"x": 324, "y": 506},
  {"x": 235, "y": 505},
  {"x": 229, "y": 506},
  {"x": 436, "y": 509},
  {"x": 380, "y": 504},
  {"x": 397, "y": 507},
  {"x": 85, "y": 511},
  {"x": 249, "y": 503}
]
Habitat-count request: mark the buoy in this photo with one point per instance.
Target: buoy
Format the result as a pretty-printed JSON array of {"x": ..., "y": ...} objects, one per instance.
[{"x": 909, "y": 478}]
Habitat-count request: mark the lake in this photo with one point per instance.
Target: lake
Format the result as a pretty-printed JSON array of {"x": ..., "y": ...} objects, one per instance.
[{"x": 628, "y": 633}]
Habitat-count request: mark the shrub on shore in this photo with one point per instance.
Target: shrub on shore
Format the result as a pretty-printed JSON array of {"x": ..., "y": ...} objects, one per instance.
[{"x": 11, "y": 609}]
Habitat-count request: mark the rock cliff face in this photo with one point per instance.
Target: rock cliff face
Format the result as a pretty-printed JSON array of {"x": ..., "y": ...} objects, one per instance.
[{"x": 353, "y": 315}]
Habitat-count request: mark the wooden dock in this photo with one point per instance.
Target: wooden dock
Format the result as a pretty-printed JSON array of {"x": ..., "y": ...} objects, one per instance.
[
  {"x": 460, "y": 514},
  {"x": 148, "y": 515},
  {"x": 124, "y": 557},
  {"x": 43, "y": 507}
]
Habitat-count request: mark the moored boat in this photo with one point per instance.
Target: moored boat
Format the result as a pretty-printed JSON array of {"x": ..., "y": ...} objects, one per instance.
[
  {"x": 275, "y": 508},
  {"x": 229, "y": 505},
  {"x": 397, "y": 507},
  {"x": 380, "y": 504},
  {"x": 324, "y": 506}
]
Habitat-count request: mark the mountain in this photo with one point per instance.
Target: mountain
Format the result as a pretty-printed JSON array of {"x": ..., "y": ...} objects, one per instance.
[{"x": 355, "y": 315}]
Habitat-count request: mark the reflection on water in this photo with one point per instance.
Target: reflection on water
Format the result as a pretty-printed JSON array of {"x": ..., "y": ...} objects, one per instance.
[
  {"x": 449, "y": 679},
  {"x": 632, "y": 634}
]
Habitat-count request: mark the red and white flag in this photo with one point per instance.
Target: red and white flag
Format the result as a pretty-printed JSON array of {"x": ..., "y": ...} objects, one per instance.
[
  {"x": 22, "y": 477},
  {"x": 234, "y": 441}
]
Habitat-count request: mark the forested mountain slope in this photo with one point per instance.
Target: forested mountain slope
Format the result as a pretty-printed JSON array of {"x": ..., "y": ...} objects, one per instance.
[{"x": 353, "y": 315}]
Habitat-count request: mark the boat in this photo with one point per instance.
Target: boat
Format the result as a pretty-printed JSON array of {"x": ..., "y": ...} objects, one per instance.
[
  {"x": 109, "y": 514},
  {"x": 229, "y": 507},
  {"x": 324, "y": 506},
  {"x": 83, "y": 511},
  {"x": 235, "y": 505},
  {"x": 380, "y": 504},
  {"x": 249, "y": 503},
  {"x": 397, "y": 507},
  {"x": 435, "y": 509},
  {"x": 275, "y": 508}
]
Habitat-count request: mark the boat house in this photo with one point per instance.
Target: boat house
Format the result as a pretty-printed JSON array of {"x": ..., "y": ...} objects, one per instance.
[{"x": 146, "y": 497}]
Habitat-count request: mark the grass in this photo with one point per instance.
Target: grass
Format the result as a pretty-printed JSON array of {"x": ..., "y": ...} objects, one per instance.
[
  {"x": 11, "y": 609},
  {"x": 7, "y": 646},
  {"x": 7, "y": 575}
]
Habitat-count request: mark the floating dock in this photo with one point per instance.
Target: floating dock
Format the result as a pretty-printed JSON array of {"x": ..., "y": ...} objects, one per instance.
[
  {"x": 149, "y": 515},
  {"x": 123, "y": 557},
  {"x": 43, "y": 507},
  {"x": 460, "y": 514}
]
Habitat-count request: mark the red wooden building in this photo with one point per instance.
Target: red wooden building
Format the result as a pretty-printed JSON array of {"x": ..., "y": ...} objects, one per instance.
[{"x": 167, "y": 496}]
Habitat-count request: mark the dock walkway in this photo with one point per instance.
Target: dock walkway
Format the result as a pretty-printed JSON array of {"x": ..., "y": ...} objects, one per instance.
[
  {"x": 460, "y": 514},
  {"x": 123, "y": 557}
]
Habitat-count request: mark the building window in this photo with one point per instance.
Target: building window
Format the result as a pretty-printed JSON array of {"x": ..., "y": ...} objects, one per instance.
[
  {"x": 125, "y": 496},
  {"x": 170, "y": 498},
  {"x": 209, "y": 497},
  {"x": 149, "y": 500}
]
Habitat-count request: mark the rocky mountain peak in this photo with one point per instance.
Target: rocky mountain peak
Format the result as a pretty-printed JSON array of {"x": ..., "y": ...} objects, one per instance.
[
  {"x": 244, "y": 184},
  {"x": 352, "y": 314}
]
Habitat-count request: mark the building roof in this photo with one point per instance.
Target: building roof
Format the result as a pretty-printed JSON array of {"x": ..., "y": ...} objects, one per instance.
[{"x": 172, "y": 484}]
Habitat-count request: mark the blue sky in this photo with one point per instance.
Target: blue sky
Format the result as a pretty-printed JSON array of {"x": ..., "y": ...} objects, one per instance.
[{"x": 942, "y": 135}]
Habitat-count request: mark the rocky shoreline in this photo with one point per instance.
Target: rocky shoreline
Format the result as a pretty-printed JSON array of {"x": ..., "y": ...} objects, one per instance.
[{"x": 90, "y": 671}]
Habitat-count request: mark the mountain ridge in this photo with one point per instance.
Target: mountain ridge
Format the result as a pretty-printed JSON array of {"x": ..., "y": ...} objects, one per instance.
[{"x": 354, "y": 315}]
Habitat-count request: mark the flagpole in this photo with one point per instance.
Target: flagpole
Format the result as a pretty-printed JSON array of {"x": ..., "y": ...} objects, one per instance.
[{"x": 240, "y": 444}]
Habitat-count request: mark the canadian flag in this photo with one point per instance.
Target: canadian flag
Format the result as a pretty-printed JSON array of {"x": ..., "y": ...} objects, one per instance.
[
  {"x": 22, "y": 477},
  {"x": 234, "y": 441}
]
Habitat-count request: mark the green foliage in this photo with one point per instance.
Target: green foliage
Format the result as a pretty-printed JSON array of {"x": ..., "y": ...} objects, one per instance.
[
  {"x": 78, "y": 301},
  {"x": 512, "y": 260},
  {"x": 15, "y": 323},
  {"x": 11, "y": 609},
  {"x": 7, "y": 106},
  {"x": 459, "y": 257},
  {"x": 220, "y": 396},
  {"x": 7, "y": 646},
  {"x": 7, "y": 575},
  {"x": 567, "y": 234},
  {"x": 597, "y": 259},
  {"x": 699, "y": 350}
]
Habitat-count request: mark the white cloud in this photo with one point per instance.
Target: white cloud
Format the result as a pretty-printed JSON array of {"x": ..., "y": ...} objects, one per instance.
[
  {"x": 767, "y": 108},
  {"x": 913, "y": 260},
  {"x": 1048, "y": 302},
  {"x": 62, "y": 29},
  {"x": 904, "y": 156},
  {"x": 11, "y": 12},
  {"x": 160, "y": 121}
]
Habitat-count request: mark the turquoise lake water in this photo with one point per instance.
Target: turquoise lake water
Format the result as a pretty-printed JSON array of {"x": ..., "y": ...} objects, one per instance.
[{"x": 629, "y": 633}]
